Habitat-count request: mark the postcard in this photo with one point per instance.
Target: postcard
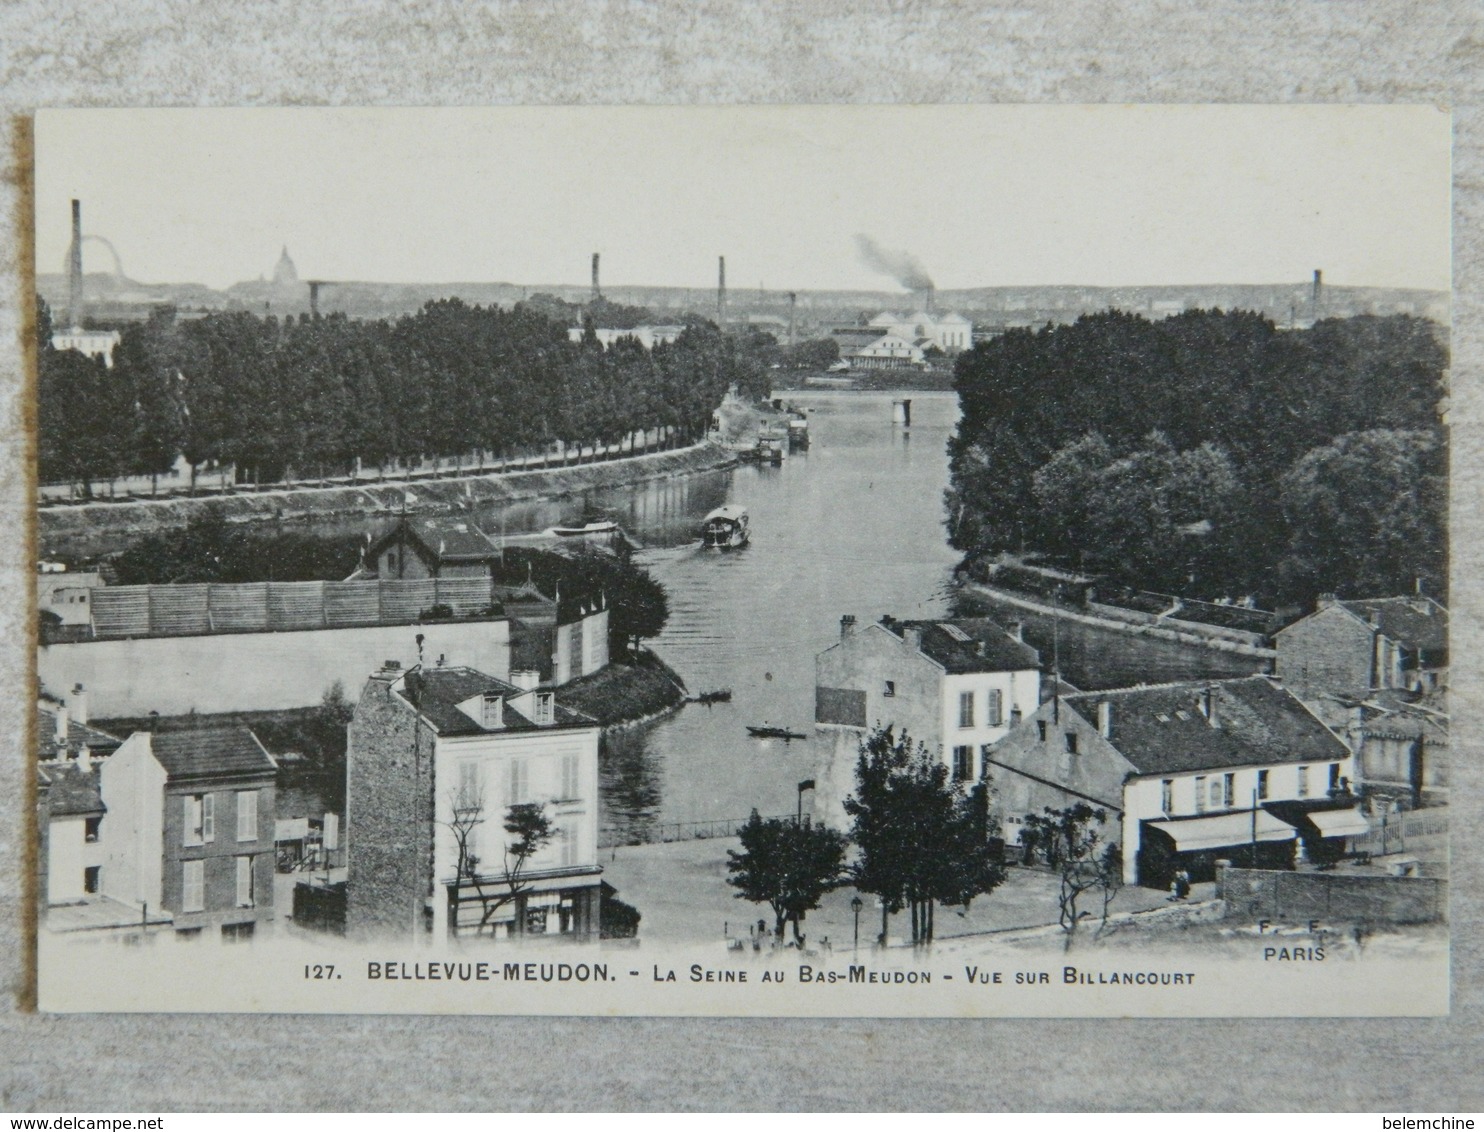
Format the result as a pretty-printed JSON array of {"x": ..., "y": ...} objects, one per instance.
[{"x": 899, "y": 561}]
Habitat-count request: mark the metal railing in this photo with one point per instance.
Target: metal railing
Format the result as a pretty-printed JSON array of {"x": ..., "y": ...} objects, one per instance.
[{"x": 664, "y": 832}]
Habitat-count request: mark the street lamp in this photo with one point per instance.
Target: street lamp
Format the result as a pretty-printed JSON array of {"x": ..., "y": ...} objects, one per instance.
[{"x": 856, "y": 904}]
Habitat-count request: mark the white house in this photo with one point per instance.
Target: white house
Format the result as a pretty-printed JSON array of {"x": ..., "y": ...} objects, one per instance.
[
  {"x": 949, "y": 332},
  {"x": 1186, "y": 773},
  {"x": 956, "y": 686},
  {"x": 481, "y": 746},
  {"x": 890, "y": 351}
]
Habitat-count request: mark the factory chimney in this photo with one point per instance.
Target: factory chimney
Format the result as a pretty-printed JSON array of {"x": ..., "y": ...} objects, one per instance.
[
  {"x": 597, "y": 294},
  {"x": 793, "y": 302},
  {"x": 721, "y": 291},
  {"x": 74, "y": 269},
  {"x": 927, "y": 300},
  {"x": 1318, "y": 289}
]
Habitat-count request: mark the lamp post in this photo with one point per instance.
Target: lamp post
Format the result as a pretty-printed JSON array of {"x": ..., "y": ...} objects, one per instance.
[{"x": 856, "y": 904}]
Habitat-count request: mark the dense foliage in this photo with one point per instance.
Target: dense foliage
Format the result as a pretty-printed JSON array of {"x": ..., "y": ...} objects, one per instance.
[
  {"x": 316, "y": 394},
  {"x": 1209, "y": 454},
  {"x": 921, "y": 839},
  {"x": 787, "y": 865},
  {"x": 210, "y": 549}
]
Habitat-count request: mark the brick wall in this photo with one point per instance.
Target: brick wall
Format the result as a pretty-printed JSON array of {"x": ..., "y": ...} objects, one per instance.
[
  {"x": 219, "y": 856},
  {"x": 389, "y": 815}
]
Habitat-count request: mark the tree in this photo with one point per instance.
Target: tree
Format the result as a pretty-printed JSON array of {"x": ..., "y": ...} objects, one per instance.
[
  {"x": 787, "y": 865},
  {"x": 921, "y": 839},
  {"x": 1070, "y": 841},
  {"x": 1368, "y": 513},
  {"x": 530, "y": 830}
]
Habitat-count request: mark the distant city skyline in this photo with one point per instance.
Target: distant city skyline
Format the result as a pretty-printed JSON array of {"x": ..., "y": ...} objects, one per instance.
[{"x": 978, "y": 196}]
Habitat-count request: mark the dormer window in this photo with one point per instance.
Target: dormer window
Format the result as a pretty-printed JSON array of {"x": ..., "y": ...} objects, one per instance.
[
  {"x": 492, "y": 712},
  {"x": 545, "y": 709}
]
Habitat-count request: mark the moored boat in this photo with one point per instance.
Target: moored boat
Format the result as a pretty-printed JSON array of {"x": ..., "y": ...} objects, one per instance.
[
  {"x": 603, "y": 527},
  {"x": 725, "y": 527},
  {"x": 775, "y": 733}
]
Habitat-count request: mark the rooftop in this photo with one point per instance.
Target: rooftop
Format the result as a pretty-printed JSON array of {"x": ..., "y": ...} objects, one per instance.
[
  {"x": 1418, "y": 622},
  {"x": 208, "y": 752},
  {"x": 74, "y": 791},
  {"x": 970, "y": 644},
  {"x": 447, "y": 539},
  {"x": 1164, "y": 730},
  {"x": 78, "y": 735},
  {"x": 437, "y": 693}
]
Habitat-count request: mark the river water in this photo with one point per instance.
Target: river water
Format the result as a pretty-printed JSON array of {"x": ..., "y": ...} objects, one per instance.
[{"x": 852, "y": 525}]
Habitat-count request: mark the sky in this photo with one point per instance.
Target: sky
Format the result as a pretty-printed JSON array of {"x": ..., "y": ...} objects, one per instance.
[{"x": 980, "y": 195}]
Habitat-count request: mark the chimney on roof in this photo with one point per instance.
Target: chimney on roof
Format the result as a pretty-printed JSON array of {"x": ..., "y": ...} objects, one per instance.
[
  {"x": 526, "y": 679},
  {"x": 1105, "y": 719},
  {"x": 847, "y": 625},
  {"x": 912, "y": 637},
  {"x": 77, "y": 703},
  {"x": 62, "y": 725},
  {"x": 1324, "y": 601},
  {"x": 1208, "y": 705},
  {"x": 978, "y": 646},
  {"x": 1016, "y": 629}
]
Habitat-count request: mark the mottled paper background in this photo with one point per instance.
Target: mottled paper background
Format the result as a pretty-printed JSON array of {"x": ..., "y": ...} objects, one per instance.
[{"x": 568, "y": 51}]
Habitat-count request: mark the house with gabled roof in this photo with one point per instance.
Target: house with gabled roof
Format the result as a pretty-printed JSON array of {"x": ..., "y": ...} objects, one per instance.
[
  {"x": 1348, "y": 648},
  {"x": 1186, "y": 773},
  {"x": 431, "y": 546},
  {"x": 955, "y": 685},
  {"x": 437, "y": 757},
  {"x": 190, "y": 827}
]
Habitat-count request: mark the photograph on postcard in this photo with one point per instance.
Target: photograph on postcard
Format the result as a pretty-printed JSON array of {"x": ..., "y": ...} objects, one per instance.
[{"x": 825, "y": 560}]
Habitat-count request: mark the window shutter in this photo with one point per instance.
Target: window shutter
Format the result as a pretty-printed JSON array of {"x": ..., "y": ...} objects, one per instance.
[
  {"x": 208, "y": 818},
  {"x": 190, "y": 821},
  {"x": 244, "y": 882},
  {"x": 193, "y": 887},
  {"x": 247, "y": 815}
]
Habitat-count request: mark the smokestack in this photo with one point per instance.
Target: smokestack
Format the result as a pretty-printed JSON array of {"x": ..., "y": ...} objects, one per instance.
[
  {"x": 927, "y": 299},
  {"x": 793, "y": 302},
  {"x": 721, "y": 290},
  {"x": 1318, "y": 289},
  {"x": 597, "y": 294},
  {"x": 1105, "y": 719},
  {"x": 74, "y": 269}
]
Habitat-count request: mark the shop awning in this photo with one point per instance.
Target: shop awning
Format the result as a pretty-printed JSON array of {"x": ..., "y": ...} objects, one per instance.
[
  {"x": 1221, "y": 830},
  {"x": 1340, "y": 823}
]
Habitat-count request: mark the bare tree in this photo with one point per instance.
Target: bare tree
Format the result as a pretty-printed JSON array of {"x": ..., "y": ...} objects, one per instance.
[
  {"x": 1072, "y": 844},
  {"x": 529, "y": 829}
]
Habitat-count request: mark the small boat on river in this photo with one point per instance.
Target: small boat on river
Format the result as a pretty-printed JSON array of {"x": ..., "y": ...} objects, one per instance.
[
  {"x": 775, "y": 733},
  {"x": 726, "y": 527},
  {"x": 602, "y": 527}
]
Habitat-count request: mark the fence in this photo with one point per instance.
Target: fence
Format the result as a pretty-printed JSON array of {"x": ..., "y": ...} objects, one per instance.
[
  {"x": 256, "y": 607},
  {"x": 320, "y": 907},
  {"x": 1275, "y": 895},
  {"x": 681, "y": 831},
  {"x": 1390, "y": 831}
]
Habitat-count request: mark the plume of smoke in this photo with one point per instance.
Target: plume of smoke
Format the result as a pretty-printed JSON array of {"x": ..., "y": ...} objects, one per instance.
[{"x": 902, "y": 266}]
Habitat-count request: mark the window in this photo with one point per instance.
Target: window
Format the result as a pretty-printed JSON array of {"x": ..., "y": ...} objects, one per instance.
[
  {"x": 247, "y": 815},
  {"x": 1262, "y": 785},
  {"x": 1215, "y": 794},
  {"x": 193, "y": 886},
  {"x": 187, "y": 935},
  {"x": 1303, "y": 782},
  {"x": 1200, "y": 793},
  {"x": 244, "y": 882},
  {"x": 1334, "y": 778},
  {"x": 90, "y": 878},
  {"x": 571, "y": 776},
  {"x": 192, "y": 831},
  {"x": 1041, "y": 729},
  {"x": 1167, "y": 796},
  {"x": 966, "y": 709},
  {"x": 571, "y": 847},
  {"x": 520, "y": 781},
  {"x": 996, "y": 709},
  {"x": 471, "y": 790},
  {"x": 1229, "y": 790},
  {"x": 208, "y": 818},
  {"x": 237, "y": 933},
  {"x": 91, "y": 828},
  {"x": 963, "y": 764},
  {"x": 545, "y": 708},
  {"x": 535, "y": 921},
  {"x": 890, "y": 689},
  {"x": 1071, "y": 742}
]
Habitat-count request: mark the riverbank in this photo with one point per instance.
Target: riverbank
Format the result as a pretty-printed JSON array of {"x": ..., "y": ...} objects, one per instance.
[
  {"x": 1190, "y": 633},
  {"x": 59, "y": 529}
]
